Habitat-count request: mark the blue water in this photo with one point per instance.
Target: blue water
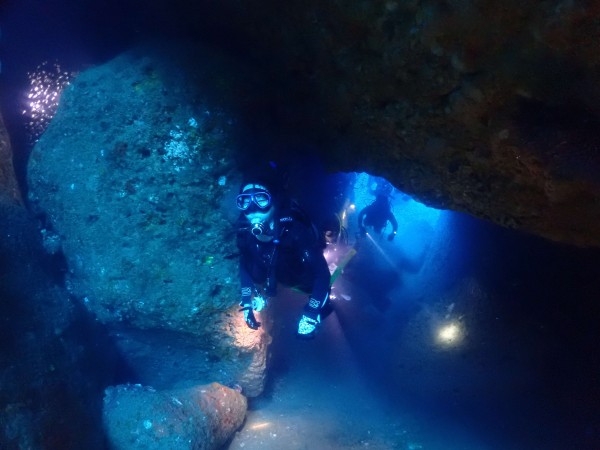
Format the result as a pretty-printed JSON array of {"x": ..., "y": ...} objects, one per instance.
[{"x": 519, "y": 374}]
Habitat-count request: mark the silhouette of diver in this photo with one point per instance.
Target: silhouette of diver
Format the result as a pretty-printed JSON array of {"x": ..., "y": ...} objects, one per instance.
[{"x": 376, "y": 216}]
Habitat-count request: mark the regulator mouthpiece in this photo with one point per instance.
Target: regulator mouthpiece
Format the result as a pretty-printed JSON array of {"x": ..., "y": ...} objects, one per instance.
[{"x": 258, "y": 229}]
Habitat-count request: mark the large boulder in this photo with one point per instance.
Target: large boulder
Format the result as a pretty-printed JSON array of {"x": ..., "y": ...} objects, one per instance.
[
  {"x": 197, "y": 418},
  {"x": 135, "y": 181}
]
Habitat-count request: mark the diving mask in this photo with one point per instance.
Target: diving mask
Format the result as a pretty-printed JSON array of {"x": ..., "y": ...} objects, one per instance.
[{"x": 259, "y": 198}]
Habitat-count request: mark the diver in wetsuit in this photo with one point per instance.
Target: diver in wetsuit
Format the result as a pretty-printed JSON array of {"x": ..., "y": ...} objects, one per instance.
[
  {"x": 279, "y": 244},
  {"x": 376, "y": 216}
]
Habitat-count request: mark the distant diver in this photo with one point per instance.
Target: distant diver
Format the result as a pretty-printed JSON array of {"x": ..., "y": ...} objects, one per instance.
[
  {"x": 333, "y": 230},
  {"x": 376, "y": 216}
]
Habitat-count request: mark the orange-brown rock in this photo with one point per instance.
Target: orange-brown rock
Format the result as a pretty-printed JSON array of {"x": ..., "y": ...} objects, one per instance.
[{"x": 201, "y": 417}]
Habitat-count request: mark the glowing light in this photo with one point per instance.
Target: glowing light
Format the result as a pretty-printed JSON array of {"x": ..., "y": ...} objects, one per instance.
[
  {"x": 260, "y": 426},
  {"x": 331, "y": 256},
  {"x": 46, "y": 84},
  {"x": 450, "y": 334}
]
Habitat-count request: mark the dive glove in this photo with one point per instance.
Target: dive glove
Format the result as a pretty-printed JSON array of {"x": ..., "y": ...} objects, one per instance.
[
  {"x": 249, "y": 317},
  {"x": 307, "y": 327},
  {"x": 310, "y": 320},
  {"x": 259, "y": 303}
]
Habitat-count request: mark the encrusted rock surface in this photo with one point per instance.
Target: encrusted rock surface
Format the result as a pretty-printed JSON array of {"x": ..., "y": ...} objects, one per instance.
[
  {"x": 135, "y": 177},
  {"x": 199, "y": 418}
]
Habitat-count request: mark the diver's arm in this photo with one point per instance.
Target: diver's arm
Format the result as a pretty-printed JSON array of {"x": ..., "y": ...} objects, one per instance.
[
  {"x": 394, "y": 222},
  {"x": 310, "y": 250},
  {"x": 321, "y": 277},
  {"x": 307, "y": 243},
  {"x": 247, "y": 286},
  {"x": 246, "y": 303},
  {"x": 271, "y": 282},
  {"x": 311, "y": 318},
  {"x": 246, "y": 282}
]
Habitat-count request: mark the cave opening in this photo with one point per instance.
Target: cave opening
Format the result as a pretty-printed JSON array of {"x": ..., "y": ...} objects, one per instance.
[{"x": 446, "y": 328}]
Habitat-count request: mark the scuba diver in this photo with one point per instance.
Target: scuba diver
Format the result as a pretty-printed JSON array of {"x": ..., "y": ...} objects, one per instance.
[
  {"x": 279, "y": 244},
  {"x": 333, "y": 231},
  {"x": 376, "y": 216}
]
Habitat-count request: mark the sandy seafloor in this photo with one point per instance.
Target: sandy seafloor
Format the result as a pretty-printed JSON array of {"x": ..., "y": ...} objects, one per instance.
[{"x": 319, "y": 398}]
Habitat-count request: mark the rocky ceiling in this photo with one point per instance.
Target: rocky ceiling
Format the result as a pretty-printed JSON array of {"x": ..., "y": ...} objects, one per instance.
[
  {"x": 490, "y": 108},
  {"x": 486, "y": 107}
]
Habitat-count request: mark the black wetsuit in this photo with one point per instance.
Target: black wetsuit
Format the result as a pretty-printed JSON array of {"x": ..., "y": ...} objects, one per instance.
[
  {"x": 377, "y": 215},
  {"x": 294, "y": 257}
]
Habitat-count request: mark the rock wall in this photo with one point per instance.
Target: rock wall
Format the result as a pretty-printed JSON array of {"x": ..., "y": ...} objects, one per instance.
[
  {"x": 135, "y": 180},
  {"x": 51, "y": 372},
  {"x": 472, "y": 105}
]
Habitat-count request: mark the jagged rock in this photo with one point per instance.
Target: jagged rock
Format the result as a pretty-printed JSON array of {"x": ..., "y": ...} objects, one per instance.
[
  {"x": 135, "y": 174},
  {"x": 198, "y": 418}
]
